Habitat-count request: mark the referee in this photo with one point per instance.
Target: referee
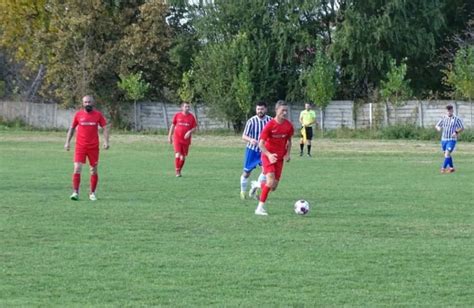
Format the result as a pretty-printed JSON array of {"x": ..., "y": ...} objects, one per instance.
[{"x": 307, "y": 120}]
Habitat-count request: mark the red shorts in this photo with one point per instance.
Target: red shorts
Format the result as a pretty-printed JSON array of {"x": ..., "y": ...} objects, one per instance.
[
  {"x": 181, "y": 148},
  {"x": 275, "y": 168},
  {"x": 92, "y": 155}
]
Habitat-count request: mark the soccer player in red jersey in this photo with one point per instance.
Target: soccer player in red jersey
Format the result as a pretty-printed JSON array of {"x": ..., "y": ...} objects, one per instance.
[
  {"x": 181, "y": 130},
  {"x": 275, "y": 143},
  {"x": 87, "y": 121}
]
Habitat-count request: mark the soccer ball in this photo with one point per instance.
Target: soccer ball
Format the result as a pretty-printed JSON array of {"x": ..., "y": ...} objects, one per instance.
[{"x": 301, "y": 207}]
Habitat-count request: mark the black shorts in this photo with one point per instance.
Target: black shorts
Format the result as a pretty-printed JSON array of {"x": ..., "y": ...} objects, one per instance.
[{"x": 309, "y": 133}]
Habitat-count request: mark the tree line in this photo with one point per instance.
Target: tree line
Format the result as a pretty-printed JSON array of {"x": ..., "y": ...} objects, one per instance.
[{"x": 228, "y": 54}]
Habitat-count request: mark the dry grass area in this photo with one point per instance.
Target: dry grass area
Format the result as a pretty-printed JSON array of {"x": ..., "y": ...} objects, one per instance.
[{"x": 325, "y": 145}]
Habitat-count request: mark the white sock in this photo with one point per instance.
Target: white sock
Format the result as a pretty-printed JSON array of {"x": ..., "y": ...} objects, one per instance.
[
  {"x": 243, "y": 183},
  {"x": 261, "y": 178},
  {"x": 260, "y": 205}
]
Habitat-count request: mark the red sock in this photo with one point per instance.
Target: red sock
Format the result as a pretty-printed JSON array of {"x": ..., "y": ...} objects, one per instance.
[
  {"x": 181, "y": 164},
  {"x": 94, "y": 181},
  {"x": 76, "y": 181},
  {"x": 265, "y": 192},
  {"x": 176, "y": 164}
]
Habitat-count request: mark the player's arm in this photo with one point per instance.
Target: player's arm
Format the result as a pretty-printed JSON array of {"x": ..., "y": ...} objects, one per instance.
[
  {"x": 246, "y": 137},
  {"x": 70, "y": 133},
  {"x": 170, "y": 134},
  {"x": 189, "y": 133},
  {"x": 301, "y": 119},
  {"x": 459, "y": 129},
  {"x": 288, "y": 150},
  {"x": 439, "y": 125},
  {"x": 272, "y": 157},
  {"x": 105, "y": 132}
]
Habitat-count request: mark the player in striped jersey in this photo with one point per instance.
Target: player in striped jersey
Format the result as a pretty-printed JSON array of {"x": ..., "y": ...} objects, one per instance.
[
  {"x": 252, "y": 158},
  {"x": 451, "y": 126}
]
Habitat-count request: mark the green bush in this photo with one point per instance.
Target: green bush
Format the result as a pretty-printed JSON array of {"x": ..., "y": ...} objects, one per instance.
[
  {"x": 408, "y": 132},
  {"x": 467, "y": 135},
  {"x": 15, "y": 124},
  {"x": 399, "y": 132}
]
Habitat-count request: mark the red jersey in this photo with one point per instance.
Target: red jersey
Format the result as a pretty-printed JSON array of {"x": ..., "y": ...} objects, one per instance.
[
  {"x": 182, "y": 124},
  {"x": 87, "y": 124},
  {"x": 276, "y": 136}
]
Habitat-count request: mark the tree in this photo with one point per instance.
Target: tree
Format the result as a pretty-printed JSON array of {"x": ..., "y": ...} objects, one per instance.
[
  {"x": 280, "y": 39},
  {"x": 184, "y": 45},
  {"x": 320, "y": 82},
  {"x": 24, "y": 29},
  {"x": 221, "y": 78},
  {"x": 243, "y": 87},
  {"x": 135, "y": 88},
  {"x": 145, "y": 46},
  {"x": 186, "y": 91},
  {"x": 97, "y": 41},
  {"x": 396, "y": 88},
  {"x": 373, "y": 32},
  {"x": 81, "y": 47},
  {"x": 459, "y": 73},
  {"x": 84, "y": 56}
]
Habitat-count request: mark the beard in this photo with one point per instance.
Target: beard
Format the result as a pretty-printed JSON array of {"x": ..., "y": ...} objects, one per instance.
[
  {"x": 260, "y": 114},
  {"x": 88, "y": 108}
]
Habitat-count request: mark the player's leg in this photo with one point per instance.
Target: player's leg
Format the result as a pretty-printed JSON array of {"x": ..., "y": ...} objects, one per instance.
[
  {"x": 253, "y": 192},
  {"x": 76, "y": 181},
  {"x": 269, "y": 171},
  {"x": 266, "y": 188},
  {"x": 449, "y": 150},
  {"x": 251, "y": 161},
  {"x": 178, "y": 158},
  {"x": 444, "y": 167},
  {"x": 309, "y": 137},
  {"x": 244, "y": 177},
  {"x": 79, "y": 160},
  {"x": 93, "y": 182},
  {"x": 182, "y": 157},
  {"x": 277, "y": 174},
  {"x": 179, "y": 163},
  {"x": 302, "y": 140},
  {"x": 93, "y": 157},
  {"x": 247, "y": 170}
]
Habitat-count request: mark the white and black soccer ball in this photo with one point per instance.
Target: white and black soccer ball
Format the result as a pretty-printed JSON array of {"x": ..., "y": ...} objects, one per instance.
[{"x": 301, "y": 207}]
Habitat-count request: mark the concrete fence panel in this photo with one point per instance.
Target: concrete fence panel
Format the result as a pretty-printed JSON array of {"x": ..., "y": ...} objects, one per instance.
[{"x": 158, "y": 115}]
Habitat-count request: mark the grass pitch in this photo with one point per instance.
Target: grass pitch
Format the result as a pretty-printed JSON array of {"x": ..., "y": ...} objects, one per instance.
[{"x": 385, "y": 227}]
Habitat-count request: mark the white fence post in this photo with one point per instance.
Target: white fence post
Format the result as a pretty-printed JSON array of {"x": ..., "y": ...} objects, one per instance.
[
  {"x": 371, "y": 115},
  {"x": 420, "y": 114},
  {"x": 321, "y": 110},
  {"x": 165, "y": 115}
]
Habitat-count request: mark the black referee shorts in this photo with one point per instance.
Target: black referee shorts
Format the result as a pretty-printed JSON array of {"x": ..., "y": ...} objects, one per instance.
[{"x": 309, "y": 133}]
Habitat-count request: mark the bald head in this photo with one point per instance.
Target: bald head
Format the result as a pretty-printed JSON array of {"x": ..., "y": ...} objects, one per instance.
[{"x": 88, "y": 102}]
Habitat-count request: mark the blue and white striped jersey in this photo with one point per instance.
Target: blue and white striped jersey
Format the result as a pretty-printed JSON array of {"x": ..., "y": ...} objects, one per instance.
[
  {"x": 449, "y": 125},
  {"x": 254, "y": 128}
]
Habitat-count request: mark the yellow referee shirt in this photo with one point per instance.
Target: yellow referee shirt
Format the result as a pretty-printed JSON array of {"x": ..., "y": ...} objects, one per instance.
[{"x": 307, "y": 117}]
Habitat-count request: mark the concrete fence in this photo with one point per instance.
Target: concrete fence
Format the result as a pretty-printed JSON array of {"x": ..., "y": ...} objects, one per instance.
[{"x": 151, "y": 115}]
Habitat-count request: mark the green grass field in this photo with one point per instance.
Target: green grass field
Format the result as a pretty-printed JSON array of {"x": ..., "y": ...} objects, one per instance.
[{"x": 385, "y": 229}]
